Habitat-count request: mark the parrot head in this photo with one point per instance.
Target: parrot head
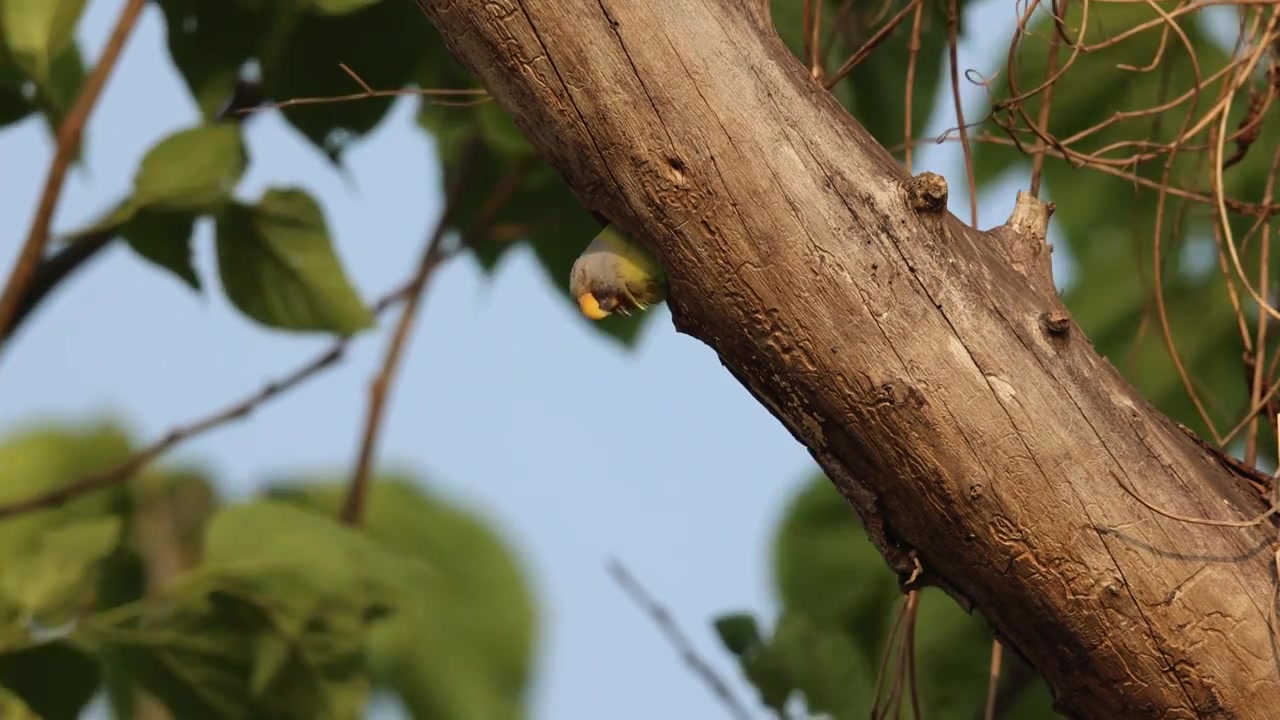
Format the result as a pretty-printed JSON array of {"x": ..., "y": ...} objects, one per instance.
[{"x": 616, "y": 274}]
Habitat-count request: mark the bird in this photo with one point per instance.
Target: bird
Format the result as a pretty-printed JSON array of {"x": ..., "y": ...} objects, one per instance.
[{"x": 616, "y": 274}]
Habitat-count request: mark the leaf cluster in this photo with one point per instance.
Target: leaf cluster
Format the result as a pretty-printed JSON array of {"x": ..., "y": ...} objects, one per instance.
[{"x": 267, "y": 608}]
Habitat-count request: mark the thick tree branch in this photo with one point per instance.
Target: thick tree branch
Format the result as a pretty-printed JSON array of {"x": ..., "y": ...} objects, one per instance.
[{"x": 905, "y": 350}]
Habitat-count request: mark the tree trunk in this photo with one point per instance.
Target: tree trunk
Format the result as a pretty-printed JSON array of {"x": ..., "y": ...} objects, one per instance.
[{"x": 929, "y": 367}]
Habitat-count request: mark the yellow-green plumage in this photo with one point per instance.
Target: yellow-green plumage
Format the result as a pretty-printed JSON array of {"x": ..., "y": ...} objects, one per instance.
[{"x": 616, "y": 274}]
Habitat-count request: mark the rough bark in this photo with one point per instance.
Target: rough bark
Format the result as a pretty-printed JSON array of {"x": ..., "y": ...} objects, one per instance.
[{"x": 930, "y": 368}]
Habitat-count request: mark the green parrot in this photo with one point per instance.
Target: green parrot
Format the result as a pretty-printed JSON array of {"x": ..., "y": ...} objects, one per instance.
[{"x": 616, "y": 274}]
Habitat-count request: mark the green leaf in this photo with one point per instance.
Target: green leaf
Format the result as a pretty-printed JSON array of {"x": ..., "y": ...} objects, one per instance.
[
  {"x": 739, "y": 632},
  {"x": 36, "y": 31},
  {"x": 193, "y": 170},
  {"x": 380, "y": 43},
  {"x": 122, "y": 579},
  {"x": 473, "y": 606},
  {"x": 340, "y": 7},
  {"x": 20, "y": 95},
  {"x": 500, "y": 132},
  {"x": 54, "y": 572},
  {"x": 45, "y": 458},
  {"x": 1035, "y": 701},
  {"x": 272, "y": 626},
  {"x": 769, "y": 674},
  {"x": 12, "y": 707},
  {"x": 278, "y": 266},
  {"x": 826, "y": 568},
  {"x": 56, "y": 94},
  {"x": 164, "y": 239},
  {"x": 953, "y": 657},
  {"x": 210, "y": 43},
  {"x": 16, "y": 92},
  {"x": 55, "y": 680},
  {"x": 827, "y": 666},
  {"x": 47, "y": 556}
]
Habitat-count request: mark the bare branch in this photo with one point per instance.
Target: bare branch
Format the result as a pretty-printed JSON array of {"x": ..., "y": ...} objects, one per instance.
[
  {"x": 242, "y": 408},
  {"x": 662, "y": 618}
]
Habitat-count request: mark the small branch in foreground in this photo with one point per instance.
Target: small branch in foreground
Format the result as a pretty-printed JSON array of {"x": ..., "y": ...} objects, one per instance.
[
  {"x": 433, "y": 255},
  {"x": 68, "y": 141},
  {"x": 993, "y": 685},
  {"x": 953, "y": 33},
  {"x": 662, "y": 618},
  {"x": 126, "y": 469}
]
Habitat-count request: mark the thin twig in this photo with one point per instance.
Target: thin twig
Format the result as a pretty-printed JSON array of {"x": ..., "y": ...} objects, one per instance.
[
  {"x": 1255, "y": 520},
  {"x": 864, "y": 52},
  {"x": 815, "y": 40},
  {"x": 993, "y": 684},
  {"x": 1037, "y": 161},
  {"x": 367, "y": 92},
  {"x": 1260, "y": 344},
  {"x": 908, "y": 101},
  {"x": 68, "y": 141},
  {"x": 953, "y": 25},
  {"x": 130, "y": 466},
  {"x": 662, "y": 618},
  {"x": 432, "y": 254}
]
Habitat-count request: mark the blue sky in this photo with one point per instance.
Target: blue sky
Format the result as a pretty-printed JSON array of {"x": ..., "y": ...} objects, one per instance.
[{"x": 497, "y": 405}]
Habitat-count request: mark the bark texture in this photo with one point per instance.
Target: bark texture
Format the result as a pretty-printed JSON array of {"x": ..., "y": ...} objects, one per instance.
[{"x": 930, "y": 368}]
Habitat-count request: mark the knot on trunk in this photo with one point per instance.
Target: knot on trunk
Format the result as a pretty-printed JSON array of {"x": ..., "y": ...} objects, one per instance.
[{"x": 1022, "y": 240}]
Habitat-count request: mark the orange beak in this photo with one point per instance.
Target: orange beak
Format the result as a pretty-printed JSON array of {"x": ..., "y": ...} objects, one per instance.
[{"x": 591, "y": 307}]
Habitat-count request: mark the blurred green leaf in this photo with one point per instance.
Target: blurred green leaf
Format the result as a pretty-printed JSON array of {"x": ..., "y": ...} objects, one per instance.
[
  {"x": 739, "y": 632},
  {"x": 47, "y": 578},
  {"x": 12, "y": 707},
  {"x": 20, "y": 95},
  {"x": 953, "y": 657},
  {"x": 211, "y": 42},
  {"x": 473, "y": 608},
  {"x": 193, "y": 170},
  {"x": 122, "y": 579},
  {"x": 16, "y": 92},
  {"x": 55, "y": 680},
  {"x": 1035, "y": 700},
  {"x": 501, "y": 134},
  {"x": 340, "y": 7},
  {"x": 381, "y": 43},
  {"x": 164, "y": 238},
  {"x": 45, "y": 458},
  {"x": 278, "y": 266},
  {"x": 825, "y": 567},
  {"x": 840, "y": 602},
  {"x": 769, "y": 673},
  {"x": 272, "y": 626},
  {"x": 828, "y": 666},
  {"x": 37, "y": 31},
  {"x": 56, "y": 94}
]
